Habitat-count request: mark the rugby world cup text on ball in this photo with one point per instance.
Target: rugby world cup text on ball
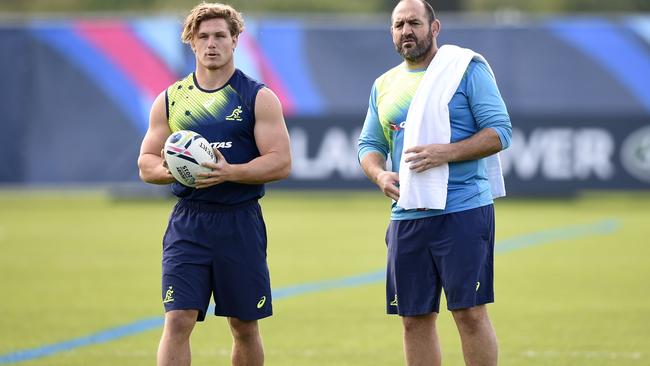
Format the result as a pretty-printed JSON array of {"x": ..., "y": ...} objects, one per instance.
[
  {"x": 207, "y": 149},
  {"x": 185, "y": 173}
]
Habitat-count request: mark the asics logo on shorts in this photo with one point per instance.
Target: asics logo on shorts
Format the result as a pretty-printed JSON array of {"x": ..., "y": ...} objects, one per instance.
[{"x": 261, "y": 302}]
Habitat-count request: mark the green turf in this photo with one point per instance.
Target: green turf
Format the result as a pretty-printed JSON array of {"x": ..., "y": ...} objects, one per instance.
[{"x": 75, "y": 264}]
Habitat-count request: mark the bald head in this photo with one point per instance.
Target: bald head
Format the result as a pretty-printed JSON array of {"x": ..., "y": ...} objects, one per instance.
[{"x": 426, "y": 7}]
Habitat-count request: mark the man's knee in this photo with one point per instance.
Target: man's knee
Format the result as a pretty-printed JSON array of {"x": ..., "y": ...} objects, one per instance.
[
  {"x": 419, "y": 323},
  {"x": 180, "y": 322},
  {"x": 471, "y": 320},
  {"x": 244, "y": 331}
]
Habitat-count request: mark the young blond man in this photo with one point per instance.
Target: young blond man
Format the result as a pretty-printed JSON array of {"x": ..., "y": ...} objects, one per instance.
[{"x": 215, "y": 243}]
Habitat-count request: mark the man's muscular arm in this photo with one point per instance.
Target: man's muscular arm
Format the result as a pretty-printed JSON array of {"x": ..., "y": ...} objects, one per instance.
[{"x": 151, "y": 162}]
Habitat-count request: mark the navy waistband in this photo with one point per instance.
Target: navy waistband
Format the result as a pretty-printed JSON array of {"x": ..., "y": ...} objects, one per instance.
[{"x": 209, "y": 206}]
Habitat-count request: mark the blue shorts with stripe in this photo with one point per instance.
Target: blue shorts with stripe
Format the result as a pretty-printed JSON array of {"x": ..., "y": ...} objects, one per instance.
[
  {"x": 454, "y": 252},
  {"x": 216, "y": 251}
]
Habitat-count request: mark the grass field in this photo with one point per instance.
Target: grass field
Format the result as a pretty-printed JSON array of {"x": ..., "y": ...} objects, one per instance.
[{"x": 571, "y": 281}]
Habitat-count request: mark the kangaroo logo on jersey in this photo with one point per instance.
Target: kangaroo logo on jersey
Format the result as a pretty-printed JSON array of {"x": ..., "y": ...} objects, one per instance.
[{"x": 235, "y": 115}]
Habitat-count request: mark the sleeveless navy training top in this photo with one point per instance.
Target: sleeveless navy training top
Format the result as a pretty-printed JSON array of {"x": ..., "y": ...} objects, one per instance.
[{"x": 225, "y": 117}]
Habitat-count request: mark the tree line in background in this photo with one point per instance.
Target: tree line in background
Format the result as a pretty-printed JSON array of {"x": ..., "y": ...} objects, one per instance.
[{"x": 325, "y": 6}]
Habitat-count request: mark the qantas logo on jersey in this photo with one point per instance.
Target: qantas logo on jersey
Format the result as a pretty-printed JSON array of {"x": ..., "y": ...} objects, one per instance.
[
  {"x": 397, "y": 126},
  {"x": 221, "y": 145}
]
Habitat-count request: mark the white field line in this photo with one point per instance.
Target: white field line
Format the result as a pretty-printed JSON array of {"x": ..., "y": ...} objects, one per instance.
[{"x": 585, "y": 354}]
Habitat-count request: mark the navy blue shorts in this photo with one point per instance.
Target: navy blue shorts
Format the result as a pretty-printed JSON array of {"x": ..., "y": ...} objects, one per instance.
[
  {"x": 219, "y": 251},
  {"x": 454, "y": 252}
]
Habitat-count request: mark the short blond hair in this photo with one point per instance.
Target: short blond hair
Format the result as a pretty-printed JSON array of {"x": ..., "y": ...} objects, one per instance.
[{"x": 205, "y": 11}]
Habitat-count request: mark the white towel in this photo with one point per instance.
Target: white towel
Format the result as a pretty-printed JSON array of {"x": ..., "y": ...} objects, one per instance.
[{"x": 427, "y": 122}]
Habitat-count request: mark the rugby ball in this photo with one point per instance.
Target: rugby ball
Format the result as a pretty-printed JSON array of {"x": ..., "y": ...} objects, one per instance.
[{"x": 184, "y": 152}]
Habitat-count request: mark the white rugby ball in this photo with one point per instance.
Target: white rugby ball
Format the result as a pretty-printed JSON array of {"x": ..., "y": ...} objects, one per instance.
[{"x": 184, "y": 152}]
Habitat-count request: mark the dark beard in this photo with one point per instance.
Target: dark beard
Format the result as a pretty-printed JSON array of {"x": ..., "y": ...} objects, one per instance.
[{"x": 417, "y": 53}]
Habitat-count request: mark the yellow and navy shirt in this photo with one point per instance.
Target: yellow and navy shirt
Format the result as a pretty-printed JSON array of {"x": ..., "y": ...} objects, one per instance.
[
  {"x": 476, "y": 104},
  {"x": 226, "y": 118}
]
